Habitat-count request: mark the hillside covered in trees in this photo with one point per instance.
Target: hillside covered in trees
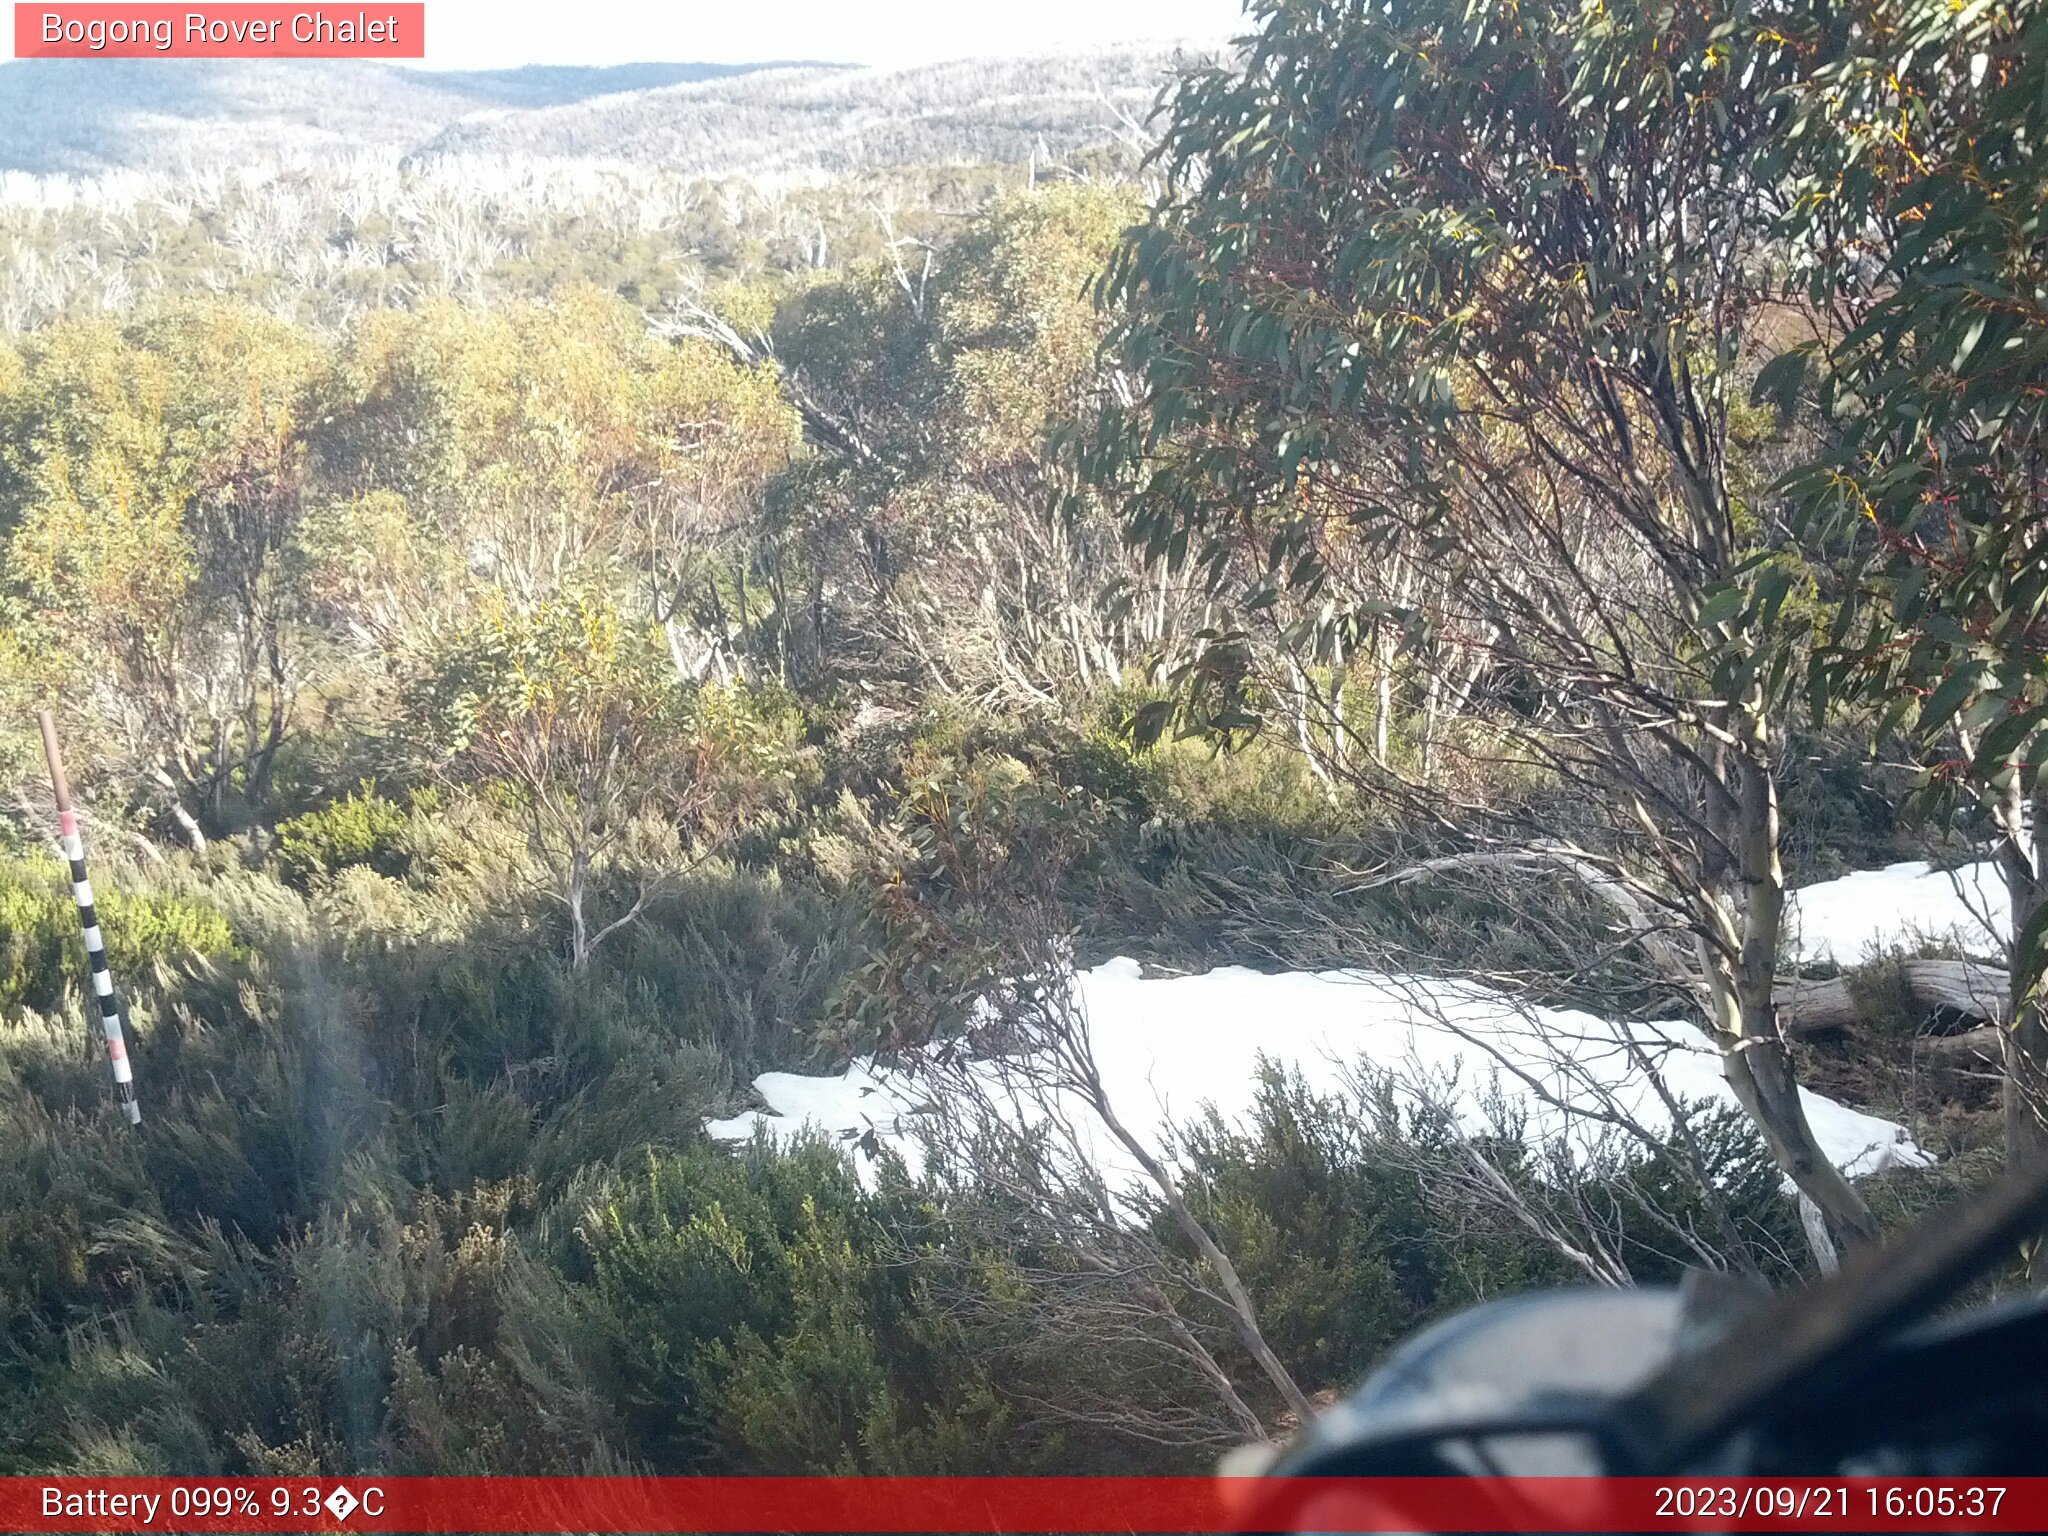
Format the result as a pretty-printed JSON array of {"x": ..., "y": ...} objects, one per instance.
[
  {"x": 88, "y": 118},
  {"x": 1489, "y": 501}
]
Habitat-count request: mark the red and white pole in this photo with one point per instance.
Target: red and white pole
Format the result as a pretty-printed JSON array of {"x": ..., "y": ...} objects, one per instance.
[{"x": 95, "y": 942}]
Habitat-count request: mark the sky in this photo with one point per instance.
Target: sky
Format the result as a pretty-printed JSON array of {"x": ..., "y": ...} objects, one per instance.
[{"x": 493, "y": 34}]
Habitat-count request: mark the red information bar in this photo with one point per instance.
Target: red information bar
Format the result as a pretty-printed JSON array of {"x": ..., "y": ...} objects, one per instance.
[
  {"x": 375, "y": 30},
  {"x": 1068, "y": 1505}
]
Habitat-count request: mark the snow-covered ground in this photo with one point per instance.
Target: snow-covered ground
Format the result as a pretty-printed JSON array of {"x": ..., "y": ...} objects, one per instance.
[
  {"x": 1169, "y": 1047},
  {"x": 1849, "y": 920}
]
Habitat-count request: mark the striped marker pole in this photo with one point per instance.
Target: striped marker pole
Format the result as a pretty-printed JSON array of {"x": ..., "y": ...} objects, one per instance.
[{"x": 95, "y": 944}]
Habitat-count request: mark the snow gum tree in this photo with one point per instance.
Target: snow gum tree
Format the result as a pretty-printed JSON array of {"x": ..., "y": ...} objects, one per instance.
[
  {"x": 152, "y": 489},
  {"x": 571, "y": 712},
  {"x": 1444, "y": 323},
  {"x": 1919, "y": 153},
  {"x": 946, "y": 537},
  {"x": 537, "y": 446}
]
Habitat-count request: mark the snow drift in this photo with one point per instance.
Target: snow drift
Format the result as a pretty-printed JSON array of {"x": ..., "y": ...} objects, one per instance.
[
  {"x": 1168, "y": 1048},
  {"x": 1850, "y": 920}
]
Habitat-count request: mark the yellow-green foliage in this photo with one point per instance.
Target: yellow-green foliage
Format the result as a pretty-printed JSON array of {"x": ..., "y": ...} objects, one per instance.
[
  {"x": 117, "y": 437},
  {"x": 1018, "y": 334},
  {"x": 754, "y": 737},
  {"x": 42, "y": 956},
  {"x": 553, "y": 408},
  {"x": 361, "y": 828},
  {"x": 1260, "y": 783},
  {"x": 573, "y": 669},
  {"x": 148, "y": 476}
]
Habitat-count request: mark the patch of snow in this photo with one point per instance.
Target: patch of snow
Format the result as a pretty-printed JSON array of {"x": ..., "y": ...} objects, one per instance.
[
  {"x": 1167, "y": 1048},
  {"x": 1859, "y": 916}
]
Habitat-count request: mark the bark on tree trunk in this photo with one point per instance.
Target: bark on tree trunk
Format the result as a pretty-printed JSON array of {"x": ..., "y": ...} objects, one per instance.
[
  {"x": 1760, "y": 1071},
  {"x": 1758, "y": 1065},
  {"x": 2026, "y": 1132},
  {"x": 1432, "y": 696},
  {"x": 579, "y": 930},
  {"x": 195, "y": 835},
  {"x": 1304, "y": 730},
  {"x": 1340, "y": 734}
]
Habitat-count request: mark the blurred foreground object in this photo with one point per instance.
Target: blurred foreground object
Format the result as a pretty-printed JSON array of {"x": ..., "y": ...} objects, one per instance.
[{"x": 1852, "y": 1376}]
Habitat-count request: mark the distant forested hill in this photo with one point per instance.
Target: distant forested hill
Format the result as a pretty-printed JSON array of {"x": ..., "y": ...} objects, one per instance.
[
  {"x": 837, "y": 120},
  {"x": 84, "y": 117}
]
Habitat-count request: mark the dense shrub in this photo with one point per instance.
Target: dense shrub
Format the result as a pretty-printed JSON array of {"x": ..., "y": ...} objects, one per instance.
[
  {"x": 1350, "y": 1219},
  {"x": 362, "y": 828},
  {"x": 149, "y": 933}
]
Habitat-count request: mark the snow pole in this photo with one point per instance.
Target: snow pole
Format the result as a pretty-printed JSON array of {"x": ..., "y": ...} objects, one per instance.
[{"x": 95, "y": 942}]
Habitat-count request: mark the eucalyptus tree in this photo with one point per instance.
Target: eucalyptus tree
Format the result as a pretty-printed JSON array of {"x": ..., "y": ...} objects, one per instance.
[
  {"x": 1444, "y": 323},
  {"x": 1919, "y": 148},
  {"x": 568, "y": 709},
  {"x": 536, "y": 449},
  {"x": 152, "y": 496},
  {"x": 957, "y": 547},
  {"x": 720, "y": 434}
]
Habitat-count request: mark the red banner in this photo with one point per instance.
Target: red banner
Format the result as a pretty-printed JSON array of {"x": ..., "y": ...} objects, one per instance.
[
  {"x": 1068, "y": 1505},
  {"x": 378, "y": 31}
]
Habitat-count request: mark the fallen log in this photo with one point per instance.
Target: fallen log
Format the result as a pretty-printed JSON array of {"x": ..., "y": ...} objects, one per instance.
[
  {"x": 1963, "y": 988},
  {"x": 1984, "y": 1043}
]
